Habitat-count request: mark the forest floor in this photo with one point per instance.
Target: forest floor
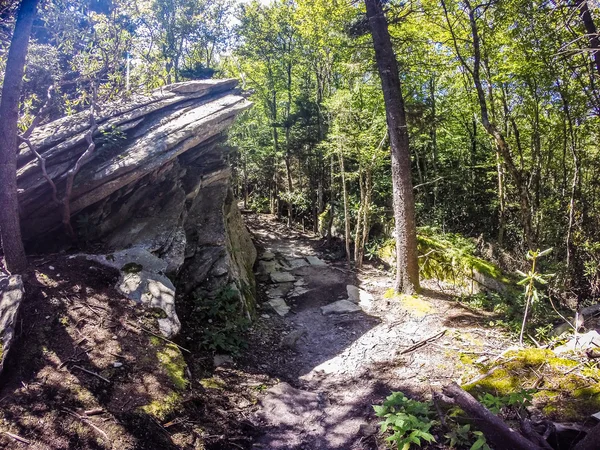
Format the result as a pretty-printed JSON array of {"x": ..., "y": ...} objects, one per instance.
[
  {"x": 333, "y": 367},
  {"x": 85, "y": 369}
]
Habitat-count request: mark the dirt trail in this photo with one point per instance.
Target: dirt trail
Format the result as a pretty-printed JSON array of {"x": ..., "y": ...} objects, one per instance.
[{"x": 334, "y": 367}]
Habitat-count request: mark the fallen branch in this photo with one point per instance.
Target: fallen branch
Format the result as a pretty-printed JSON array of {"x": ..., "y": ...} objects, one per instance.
[
  {"x": 157, "y": 335},
  {"x": 91, "y": 373},
  {"x": 87, "y": 422},
  {"x": 423, "y": 342},
  {"x": 498, "y": 434},
  {"x": 17, "y": 438}
]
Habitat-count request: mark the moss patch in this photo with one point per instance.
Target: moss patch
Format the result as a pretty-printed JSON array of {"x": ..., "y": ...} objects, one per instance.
[
  {"x": 415, "y": 305},
  {"x": 563, "y": 394},
  {"x": 163, "y": 407},
  {"x": 132, "y": 268},
  {"x": 173, "y": 363}
]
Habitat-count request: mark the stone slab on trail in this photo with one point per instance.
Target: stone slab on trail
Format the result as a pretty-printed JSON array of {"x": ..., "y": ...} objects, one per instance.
[
  {"x": 359, "y": 296},
  {"x": 282, "y": 277},
  {"x": 280, "y": 306},
  {"x": 316, "y": 261},
  {"x": 296, "y": 263},
  {"x": 340, "y": 307},
  {"x": 11, "y": 294}
]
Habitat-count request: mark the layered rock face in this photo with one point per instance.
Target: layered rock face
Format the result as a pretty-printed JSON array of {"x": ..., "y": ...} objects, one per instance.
[{"x": 156, "y": 194}]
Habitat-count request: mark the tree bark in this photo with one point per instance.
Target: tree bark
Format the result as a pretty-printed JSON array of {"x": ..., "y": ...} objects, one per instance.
[
  {"x": 407, "y": 267},
  {"x": 590, "y": 28},
  {"x": 346, "y": 207},
  {"x": 10, "y": 228},
  {"x": 498, "y": 434}
]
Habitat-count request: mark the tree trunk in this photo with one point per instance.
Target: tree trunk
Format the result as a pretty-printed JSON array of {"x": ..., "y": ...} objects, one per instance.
[
  {"x": 10, "y": 228},
  {"x": 490, "y": 127},
  {"x": 359, "y": 219},
  {"x": 590, "y": 28},
  {"x": 346, "y": 208},
  {"x": 407, "y": 266}
]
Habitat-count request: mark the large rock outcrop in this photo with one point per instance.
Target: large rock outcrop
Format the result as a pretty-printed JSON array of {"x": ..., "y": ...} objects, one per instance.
[{"x": 156, "y": 189}]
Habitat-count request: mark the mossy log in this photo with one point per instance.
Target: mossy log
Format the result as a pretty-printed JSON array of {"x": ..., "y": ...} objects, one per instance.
[{"x": 498, "y": 433}]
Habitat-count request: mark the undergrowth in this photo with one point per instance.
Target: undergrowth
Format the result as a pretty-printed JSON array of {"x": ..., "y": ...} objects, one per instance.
[
  {"x": 411, "y": 423},
  {"x": 220, "y": 322}
]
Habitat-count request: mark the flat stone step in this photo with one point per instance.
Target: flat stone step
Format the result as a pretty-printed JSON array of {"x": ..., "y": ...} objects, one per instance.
[
  {"x": 340, "y": 307},
  {"x": 316, "y": 261},
  {"x": 280, "y": 306},
  {"x": 282, "y": 277}
]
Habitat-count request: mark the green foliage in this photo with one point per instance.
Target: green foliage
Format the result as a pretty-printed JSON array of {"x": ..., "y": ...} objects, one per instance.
[
  {"x": 529, "y": 280},
  {"x": 410, "y": 423},
  {"x": 516, "y": 400},
  {"x": 461, "y": 436},
  {"x": 408, "y": 420},
  {"x": 219, "y": 322},
  {"x": 450, "y": 257}
]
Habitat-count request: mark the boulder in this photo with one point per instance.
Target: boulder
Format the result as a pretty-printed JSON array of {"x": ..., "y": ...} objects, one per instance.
[
  {"x": 11, "y": 295},
  {"x": 156, "y": 193},
  {"x": 143, "y": 281}
]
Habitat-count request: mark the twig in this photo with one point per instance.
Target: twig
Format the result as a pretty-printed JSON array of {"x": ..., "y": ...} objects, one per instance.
[
  {"x": 87, "y": 422},
  {"x": 94, "y": 412},
  {"x": 17, "y": 438},
  {"x": 157, "y": 335},
  {"x": 91, "y": 373},
  {"x": 423, "y": 342}
]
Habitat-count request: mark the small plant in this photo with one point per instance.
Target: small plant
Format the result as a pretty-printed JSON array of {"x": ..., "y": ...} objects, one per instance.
[
  {"x": 461, "y": 436},
  {"x": 220, "y": 321},
  {"x": 515, "y": 400},
  {"x": 408, "y": 420},
  {"x": 528, "y": 280}
]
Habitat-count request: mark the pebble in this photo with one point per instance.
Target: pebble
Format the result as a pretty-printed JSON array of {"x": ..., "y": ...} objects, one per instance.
[{"x": 117, "y": 364}]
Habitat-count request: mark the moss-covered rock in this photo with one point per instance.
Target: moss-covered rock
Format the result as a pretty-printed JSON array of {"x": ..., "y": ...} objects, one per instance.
[{"x": 562, "y": 392}]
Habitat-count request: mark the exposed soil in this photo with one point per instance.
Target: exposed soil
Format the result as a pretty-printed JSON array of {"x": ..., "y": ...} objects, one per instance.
[
  {"x": 344, "y": 363},
  {"x": 305, "y": 380}
]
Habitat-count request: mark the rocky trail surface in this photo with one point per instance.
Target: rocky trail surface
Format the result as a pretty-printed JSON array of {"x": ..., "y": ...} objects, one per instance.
[{"x": 336, "y": 343}]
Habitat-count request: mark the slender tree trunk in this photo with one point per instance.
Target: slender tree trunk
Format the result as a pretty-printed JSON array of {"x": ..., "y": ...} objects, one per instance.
[
  {"x": 10, "y": 228},
  {"x": 366, "y": 210},
  {"x": 346, "y": 207},
  {"x": 331, "y": 200},
  {"x": 407, "y": 266},
  {"x": 359, "y": 218},
  {"x": 590, "y": 28},
  {"x": 433, "y": 137},
  {"x": 501, "y": 202},
  {"x": 490, "y": 127}
]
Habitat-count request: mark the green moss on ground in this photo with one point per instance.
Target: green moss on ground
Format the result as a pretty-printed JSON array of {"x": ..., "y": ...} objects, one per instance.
[
  {"x": 165, "y": 406},
  {"x": 562, "y": 394},
  {"x": 174, "y": 364}
]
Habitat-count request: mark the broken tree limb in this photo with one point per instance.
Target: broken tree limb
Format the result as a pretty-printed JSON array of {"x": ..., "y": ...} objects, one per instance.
[
  {"x": 423, "y": 342},
  {"x": 17, "y": 438},
  {"x": 498, "y": 434}
]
